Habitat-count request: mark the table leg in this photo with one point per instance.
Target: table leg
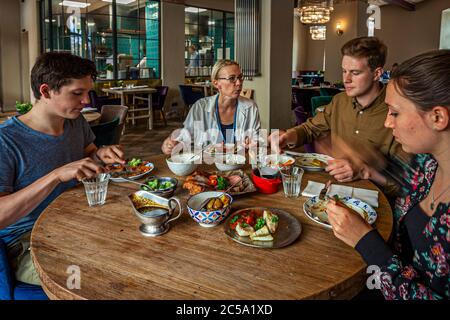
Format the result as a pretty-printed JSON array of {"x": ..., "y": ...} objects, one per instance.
[{"x": 150, "y": 116}]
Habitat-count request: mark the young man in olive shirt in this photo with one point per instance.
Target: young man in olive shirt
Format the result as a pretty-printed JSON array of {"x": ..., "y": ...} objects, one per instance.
[{"x": 356, "y": 116}]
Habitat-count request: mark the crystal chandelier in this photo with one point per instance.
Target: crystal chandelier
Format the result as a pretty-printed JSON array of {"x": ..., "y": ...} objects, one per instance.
[
  {"x": 318, "y": 32},
  {"x": 314, "y": 11}
]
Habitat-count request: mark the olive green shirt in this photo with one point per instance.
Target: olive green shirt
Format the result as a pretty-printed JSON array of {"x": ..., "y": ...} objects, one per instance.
[{"x": 345, "y": 118}]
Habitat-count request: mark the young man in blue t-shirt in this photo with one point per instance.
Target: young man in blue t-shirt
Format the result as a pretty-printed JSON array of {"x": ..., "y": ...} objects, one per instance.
[{"x": 45, "y": 152}]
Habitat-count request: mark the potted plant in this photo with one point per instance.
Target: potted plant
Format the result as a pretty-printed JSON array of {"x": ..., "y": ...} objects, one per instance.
[
  {"x": 23, "y": 108},
  {"x": 109, "y": 71}
]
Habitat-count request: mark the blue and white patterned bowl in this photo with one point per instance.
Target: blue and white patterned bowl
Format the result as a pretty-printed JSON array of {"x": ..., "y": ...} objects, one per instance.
[
  {"x": 355, "y": 204},
  {"x": 207, "y": 218}
]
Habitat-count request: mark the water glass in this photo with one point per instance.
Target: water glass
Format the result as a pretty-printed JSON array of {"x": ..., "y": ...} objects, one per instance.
[
  {"x": 292, "y": 179},
  {"x": 96, "y": 189}
]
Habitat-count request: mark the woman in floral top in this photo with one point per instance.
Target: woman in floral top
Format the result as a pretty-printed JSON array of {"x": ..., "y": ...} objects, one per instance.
[{"x": 418, "y": 265}]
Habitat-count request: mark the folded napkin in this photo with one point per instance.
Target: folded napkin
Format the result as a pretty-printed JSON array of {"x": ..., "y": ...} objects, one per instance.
[{"x": 369, "y": 196}]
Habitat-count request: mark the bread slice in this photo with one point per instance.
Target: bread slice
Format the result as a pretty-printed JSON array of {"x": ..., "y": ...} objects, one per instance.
[
  {"x": 264, "y": 231},
  {"x": 271, "y": 221},
  {"x": 261, "y": 238},
  {"x": 244, "y": 231}
]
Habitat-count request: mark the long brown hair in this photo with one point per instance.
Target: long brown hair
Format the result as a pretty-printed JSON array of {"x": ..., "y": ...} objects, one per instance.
[{"x": 425, "y": 79}]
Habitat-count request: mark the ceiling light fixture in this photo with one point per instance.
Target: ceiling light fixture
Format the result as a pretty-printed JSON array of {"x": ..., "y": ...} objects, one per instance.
[
  {"x": 194, "y": 10},
  {"x": 314, "y": 11},
  {"x": 318, "y": 32},
  {"x": 120, "y": 1},
  {"x": 74, "y": 4}
]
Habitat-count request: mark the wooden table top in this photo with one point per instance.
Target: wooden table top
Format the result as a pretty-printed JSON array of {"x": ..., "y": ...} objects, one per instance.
[{"x": 189, "y": 261}]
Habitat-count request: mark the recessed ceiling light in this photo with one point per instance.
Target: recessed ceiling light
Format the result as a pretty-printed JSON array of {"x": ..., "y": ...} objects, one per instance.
[
  {"x": 121, "y": 1},
  {"x": 74, "y": 4},
  {"x": 194, "y": 10}
]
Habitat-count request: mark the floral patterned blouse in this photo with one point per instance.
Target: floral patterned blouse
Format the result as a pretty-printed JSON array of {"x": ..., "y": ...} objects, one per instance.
[{"x": 411, "y": 270}]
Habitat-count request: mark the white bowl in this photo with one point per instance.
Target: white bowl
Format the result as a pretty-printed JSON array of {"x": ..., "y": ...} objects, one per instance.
[
  {"x": 183, "y": 164},
  {"x": 230, "y": 162}
]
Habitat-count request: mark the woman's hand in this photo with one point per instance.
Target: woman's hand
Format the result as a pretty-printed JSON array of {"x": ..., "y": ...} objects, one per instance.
[
  {"x": 281, "y": 138},
  {"x": 84, "y": 168},
  {"x": 168, "y": 145},
  {"x": 348, "y": 225},
  {"x": 111, "y": 154}
]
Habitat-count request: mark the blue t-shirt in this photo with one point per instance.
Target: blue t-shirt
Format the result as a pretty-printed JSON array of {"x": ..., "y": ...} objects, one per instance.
[{"x": 26, "y": 155}]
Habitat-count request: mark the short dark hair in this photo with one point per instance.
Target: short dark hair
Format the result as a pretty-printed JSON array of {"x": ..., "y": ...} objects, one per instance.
[
  {"x": 367, "y": 47},
  {"x": 58, "y": 69},
  {"x": 425, "y": 79}
]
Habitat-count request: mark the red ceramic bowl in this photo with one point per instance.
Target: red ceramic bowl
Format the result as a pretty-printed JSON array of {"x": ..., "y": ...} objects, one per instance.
[{"x": 265, "y": 185}]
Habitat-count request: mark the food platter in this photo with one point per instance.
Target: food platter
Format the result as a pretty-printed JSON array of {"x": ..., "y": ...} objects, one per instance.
[
  {"x": 120, "y": 172},
  {"x": 311, "y": 161},
  {"x": 288, "y": 230},
  {"x": 199, "y": 181},
  {"x": 314, "y": 209}
]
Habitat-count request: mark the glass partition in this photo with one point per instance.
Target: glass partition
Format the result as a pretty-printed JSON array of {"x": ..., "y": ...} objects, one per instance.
[
  {"x": 209, "y": 36},
  {"x": 122, "y": 39}
]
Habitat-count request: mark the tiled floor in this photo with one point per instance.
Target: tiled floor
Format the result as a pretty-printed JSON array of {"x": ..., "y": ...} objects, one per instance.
[{"x": 140, "y": 142}]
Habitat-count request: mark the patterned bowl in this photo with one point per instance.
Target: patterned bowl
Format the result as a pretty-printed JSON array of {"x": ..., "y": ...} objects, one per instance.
[{"x": 207, "y": 218}]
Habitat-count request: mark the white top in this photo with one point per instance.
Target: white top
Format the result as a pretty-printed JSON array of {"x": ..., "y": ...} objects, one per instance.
[{"x": 201, "y": 125}]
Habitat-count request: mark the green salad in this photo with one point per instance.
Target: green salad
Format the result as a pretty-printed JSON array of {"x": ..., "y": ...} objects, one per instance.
[
  {"x": 134, "y": 162},
  {"x": 154, "y": 185}
]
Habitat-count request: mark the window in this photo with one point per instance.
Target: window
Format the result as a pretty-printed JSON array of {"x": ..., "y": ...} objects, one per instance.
[
  {"x": 125, "y": 37},
  {"x": 209, "y": 36}
]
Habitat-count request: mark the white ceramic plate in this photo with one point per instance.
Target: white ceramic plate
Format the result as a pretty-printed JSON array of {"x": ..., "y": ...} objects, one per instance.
[
  {"x": 305, "y": 160},
  {"x": 276, "y": 161},
  {"x": 316, "y": 213},
  {"x": 136, "y": 177}
]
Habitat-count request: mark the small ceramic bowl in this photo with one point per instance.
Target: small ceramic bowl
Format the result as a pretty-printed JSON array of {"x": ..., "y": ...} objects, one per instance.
[
  {"x": 183, "y": 164},
  {"x": 162, "y": 192},
  {"x": 207, "y": 218},
  {"x": 230, "y": 162},
  {"x": 265, "y": 185}
]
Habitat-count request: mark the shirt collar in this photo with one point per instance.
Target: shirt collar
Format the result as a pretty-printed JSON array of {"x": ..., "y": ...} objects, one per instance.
[{"x": 379, "y": 99}]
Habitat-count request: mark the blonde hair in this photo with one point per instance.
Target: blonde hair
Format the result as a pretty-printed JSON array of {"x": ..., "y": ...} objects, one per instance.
[{"x": 221, "y": 64}]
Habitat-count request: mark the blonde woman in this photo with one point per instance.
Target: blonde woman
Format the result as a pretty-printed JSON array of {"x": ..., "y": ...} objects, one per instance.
[{"x": 225, "y": 117}]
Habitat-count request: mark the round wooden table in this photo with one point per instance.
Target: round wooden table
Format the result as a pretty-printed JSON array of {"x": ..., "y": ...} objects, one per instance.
[{"x": 189, "y": 262}]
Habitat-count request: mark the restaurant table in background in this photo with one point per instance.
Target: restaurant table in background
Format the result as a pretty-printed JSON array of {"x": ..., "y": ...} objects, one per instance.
[
  {"x": 208, "y": 89},
  {"x": 123, "y": 92},
  {"x": 91, "y": 117},
  {"x": 190, "y": 262}
]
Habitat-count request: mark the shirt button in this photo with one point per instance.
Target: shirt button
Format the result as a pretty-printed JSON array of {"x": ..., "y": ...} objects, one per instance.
[
  {"x": 356, "y": 131},
  {"x": 361, "y": 112}
]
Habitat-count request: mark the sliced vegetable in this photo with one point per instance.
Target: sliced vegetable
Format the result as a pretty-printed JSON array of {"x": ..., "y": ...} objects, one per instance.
[
  {"x": 260, "y": 223},
  {"x": 222, "y": 183}
]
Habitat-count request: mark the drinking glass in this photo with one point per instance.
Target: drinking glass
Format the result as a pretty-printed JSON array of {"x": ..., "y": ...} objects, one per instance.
[
  {"x": 96, "y": 189},
  {"x": 292, "y": 179}
]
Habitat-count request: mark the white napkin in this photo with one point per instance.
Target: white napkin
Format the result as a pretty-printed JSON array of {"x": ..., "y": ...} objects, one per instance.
[
  {"x": 117, "y": 88},
  {"x": 370, "y": 196},
  {"x": 312, "y": 189},
  {"x": 341, "y": 191}
]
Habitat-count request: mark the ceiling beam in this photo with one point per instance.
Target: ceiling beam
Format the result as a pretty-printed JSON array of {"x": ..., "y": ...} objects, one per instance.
[{"x": 402, "y": 3}]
